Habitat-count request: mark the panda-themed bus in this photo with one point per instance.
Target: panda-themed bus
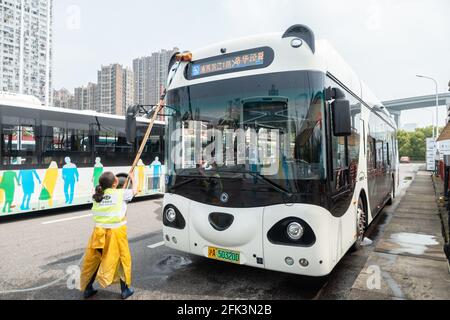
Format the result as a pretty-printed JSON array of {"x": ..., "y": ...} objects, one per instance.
[
  {"x": 277, "y": 155},
  {"x": 53, "y": 158}
]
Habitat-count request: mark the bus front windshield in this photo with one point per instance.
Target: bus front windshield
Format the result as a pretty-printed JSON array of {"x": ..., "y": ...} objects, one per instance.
[{"x": 270, "y": 126}]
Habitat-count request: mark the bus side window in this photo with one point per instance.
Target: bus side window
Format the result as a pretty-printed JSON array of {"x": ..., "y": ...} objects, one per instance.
[
  {"x": 19, "y": 142},
  {"x": 380, "y": 154},
  {"x": 62, "y": 139},
  {"x": 372, "y": 153},
  {"x": 388, "y": 154},
  {"x": 153, "y": 148},
  {"x": 339, "y": 162},
  {"x": 339, "y": 149},
  {"x": 345, "y": 151},
  {"x": 110, "y": 144}
]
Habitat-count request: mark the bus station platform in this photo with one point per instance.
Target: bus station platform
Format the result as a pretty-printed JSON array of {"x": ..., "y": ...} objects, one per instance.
[{"x": 408, "y": 262}]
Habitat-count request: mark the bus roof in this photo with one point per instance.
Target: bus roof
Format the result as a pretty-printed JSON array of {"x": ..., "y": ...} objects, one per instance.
[{"x": 27, "y": 102}]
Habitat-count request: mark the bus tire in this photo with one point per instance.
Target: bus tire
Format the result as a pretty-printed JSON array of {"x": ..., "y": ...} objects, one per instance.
[{"x": 361, "y": 224}]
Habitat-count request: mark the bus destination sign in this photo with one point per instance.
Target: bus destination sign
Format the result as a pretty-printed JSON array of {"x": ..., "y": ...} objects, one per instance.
[{"x": 240, "y": 61}]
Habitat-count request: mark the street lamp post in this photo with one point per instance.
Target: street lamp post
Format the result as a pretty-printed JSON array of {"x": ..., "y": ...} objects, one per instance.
[
  {"x": 437, "y": 104},
  {"x": 435, "y": 136}
]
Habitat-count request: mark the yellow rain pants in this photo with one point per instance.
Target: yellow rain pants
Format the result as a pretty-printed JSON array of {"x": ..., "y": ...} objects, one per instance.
[{"x": 113, "y": 264}]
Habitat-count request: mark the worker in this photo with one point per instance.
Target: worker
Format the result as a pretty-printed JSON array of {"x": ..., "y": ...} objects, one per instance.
[{"x": 108, "y": 258}]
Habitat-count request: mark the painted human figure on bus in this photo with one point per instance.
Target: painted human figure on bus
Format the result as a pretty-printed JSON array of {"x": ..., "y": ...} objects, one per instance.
[
  {"x": 254, "y": 162},
  {"x": 70, "y": 176},
  {"x": 140, "y": 171},
  {"x": 2, "y": 193},
  {"x": 98, "y": 171},
  {"x": 26, "y": 178},
  {"x": 156, "y": 166},
  {"x": 49, "y": 183},
  {"x": 8, "y": 185}
]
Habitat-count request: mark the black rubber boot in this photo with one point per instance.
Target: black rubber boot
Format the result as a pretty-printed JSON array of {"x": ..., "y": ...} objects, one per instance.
[
  {"x": 89, "y": 292},
  {"x": 126, "y": 292}
]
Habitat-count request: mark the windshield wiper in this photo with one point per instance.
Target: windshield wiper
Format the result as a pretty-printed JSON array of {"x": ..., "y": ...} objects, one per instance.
[
  {"x": 258, "y": 176},
  {"x": 262, "y": 178},
  {"x": 271, "y": 183}
]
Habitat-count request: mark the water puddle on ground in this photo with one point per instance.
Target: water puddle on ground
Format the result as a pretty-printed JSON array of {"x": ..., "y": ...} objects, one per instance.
[
  {"x": 412, "y": 243},
  {"x": 367, "y": 242},
  {"x": 171, "y": 263}
]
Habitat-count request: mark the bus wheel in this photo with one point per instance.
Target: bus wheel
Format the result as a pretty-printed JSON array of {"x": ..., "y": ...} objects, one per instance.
[{"x": 361, "y": 225}]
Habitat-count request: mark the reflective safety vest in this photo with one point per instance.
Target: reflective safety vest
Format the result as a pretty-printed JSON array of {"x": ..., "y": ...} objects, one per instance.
[{"x": 110, "y": 213}]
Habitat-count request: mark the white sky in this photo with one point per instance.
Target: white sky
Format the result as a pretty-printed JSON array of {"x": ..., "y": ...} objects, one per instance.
[{"x": 387, "y": 42}]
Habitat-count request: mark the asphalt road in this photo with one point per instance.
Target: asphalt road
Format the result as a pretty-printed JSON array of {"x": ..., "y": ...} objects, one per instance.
[{"x": 36, "y": 252}]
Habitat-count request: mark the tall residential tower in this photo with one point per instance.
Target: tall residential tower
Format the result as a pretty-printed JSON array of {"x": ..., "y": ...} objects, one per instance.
[
  {"x": 115, "y": 89},
  {"x": 26, "y": 48},
  {"x": 86, "y": 97},
  {"x": 150, "y": 76}
]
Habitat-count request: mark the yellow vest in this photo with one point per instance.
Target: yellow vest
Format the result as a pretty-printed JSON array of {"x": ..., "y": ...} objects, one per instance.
[{"x": 109, "y": 213}]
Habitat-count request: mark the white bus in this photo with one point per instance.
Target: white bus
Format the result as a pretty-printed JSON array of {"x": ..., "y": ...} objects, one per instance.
[
  {"x": 52, "y": 158},
  {"x": 278, "y": 155}
]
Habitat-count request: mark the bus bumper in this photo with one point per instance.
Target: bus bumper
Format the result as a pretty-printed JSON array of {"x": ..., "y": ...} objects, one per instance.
[{"x": 248, "y": 236}]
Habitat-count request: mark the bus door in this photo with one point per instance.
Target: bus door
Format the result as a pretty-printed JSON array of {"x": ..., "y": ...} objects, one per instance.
[{"x": 377, "y": 174}]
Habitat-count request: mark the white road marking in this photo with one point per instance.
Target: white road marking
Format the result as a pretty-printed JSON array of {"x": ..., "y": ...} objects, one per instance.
[
  {"x": 156, "y": 245},
  {"x": 67, "y": 219}
]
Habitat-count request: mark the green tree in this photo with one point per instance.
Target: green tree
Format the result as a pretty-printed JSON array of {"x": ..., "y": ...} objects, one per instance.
[{"x": 413, "y": 144}]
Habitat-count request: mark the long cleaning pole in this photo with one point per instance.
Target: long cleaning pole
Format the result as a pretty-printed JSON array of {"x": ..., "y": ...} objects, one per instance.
[{"x": 150, "y": 127}]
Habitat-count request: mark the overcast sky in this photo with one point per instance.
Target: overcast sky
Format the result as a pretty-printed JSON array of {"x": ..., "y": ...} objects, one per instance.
[{"x": 387, "y": 42}]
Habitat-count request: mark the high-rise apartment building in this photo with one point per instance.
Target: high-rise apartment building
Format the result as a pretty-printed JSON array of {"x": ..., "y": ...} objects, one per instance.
[
  {"x": 63, "y": 99},
  {"x": 141, "y": 69},
  {"x": 26, "y": 48},
  {"x": 115, "y": 89},
  {"x": 150, "y": 74},
  {"x": 127, "y": 89},
  {"x": 87, "y": 97}
]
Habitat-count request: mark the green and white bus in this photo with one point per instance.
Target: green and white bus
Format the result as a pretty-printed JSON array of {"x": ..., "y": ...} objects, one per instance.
[{"x": 52, "y": 158}]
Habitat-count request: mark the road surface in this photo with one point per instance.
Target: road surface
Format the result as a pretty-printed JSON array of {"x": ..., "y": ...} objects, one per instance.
[{"x": 38, "y": 251}]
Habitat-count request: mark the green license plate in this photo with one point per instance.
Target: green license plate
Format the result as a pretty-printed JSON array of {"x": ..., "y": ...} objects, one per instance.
[{"x": 224, "y": 255}]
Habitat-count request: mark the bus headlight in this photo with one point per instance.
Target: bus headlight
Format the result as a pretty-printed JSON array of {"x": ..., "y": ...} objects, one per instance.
[
  {"x": 292, "y": 231},
  {"x": 173, "y": 218},
  {"x": 171, "y": 214},
  {"x": 295, "y": 231}
]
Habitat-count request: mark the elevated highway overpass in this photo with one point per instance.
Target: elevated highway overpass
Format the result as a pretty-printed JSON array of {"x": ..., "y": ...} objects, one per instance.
[{"x": 396, "y": 107}]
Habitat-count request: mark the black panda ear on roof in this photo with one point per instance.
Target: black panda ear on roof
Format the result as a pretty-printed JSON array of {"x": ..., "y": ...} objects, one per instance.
[{"x": 303, "y": 32}]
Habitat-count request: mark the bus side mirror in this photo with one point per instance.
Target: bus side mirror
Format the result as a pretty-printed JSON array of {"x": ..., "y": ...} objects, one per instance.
[
  {"x": 130, "y": 126},
  {"x": 342, "y": 124}
]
